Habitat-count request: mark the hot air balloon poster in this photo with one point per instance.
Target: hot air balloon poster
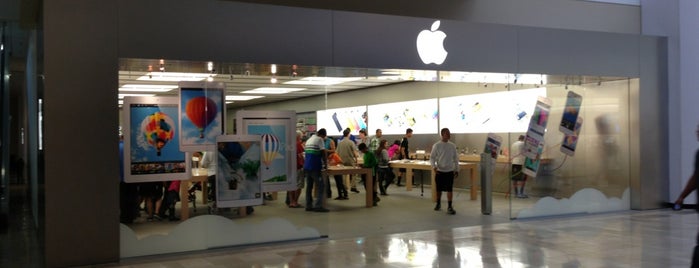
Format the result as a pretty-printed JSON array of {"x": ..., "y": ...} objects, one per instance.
[
  {"x": 273, "y": 141},
  {"x": 150, "y": 144},
  {"x": 238, "y": 181},
  {"x": 201, "y": 114}
]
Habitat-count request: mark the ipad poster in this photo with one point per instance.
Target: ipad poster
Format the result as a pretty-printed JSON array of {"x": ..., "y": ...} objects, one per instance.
[
  {"x": 238, "y": 181},
  {"x": 151, "y": 147},
  {"x": 274, "y": 158},
  {"x": 201, "y": 115}
]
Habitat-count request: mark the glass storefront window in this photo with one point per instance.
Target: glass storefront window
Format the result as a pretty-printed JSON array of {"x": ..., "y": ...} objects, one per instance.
[{"x": 594, "y": 177}]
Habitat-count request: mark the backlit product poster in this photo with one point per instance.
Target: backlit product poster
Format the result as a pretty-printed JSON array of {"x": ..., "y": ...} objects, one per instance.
[
  {"x": 537, "y": 128},
  {"x": 394, "y": 118},
  {"x": 570, "y": 113},
  {"x": 273, "y": 140},
  {"x": 238, "y": 165},
  {"x": 492, "y": 147},
  {"x": 531, "y": 165},
  {"x": 570, "y": 142},
  {"x": 336, "y": 120},
  {"x": 151, "y": 151},
  {"x": 497, "y": 112},
  {"x": 201, "y": 114}
]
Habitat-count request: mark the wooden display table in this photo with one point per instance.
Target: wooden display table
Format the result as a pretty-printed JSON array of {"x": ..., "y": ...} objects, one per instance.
[
  {"x": 410, "y": 165},
  {"x": 198, "y": 175},
  {"x": 347, "y": 170},
  {"x": 475, "y": 158}
]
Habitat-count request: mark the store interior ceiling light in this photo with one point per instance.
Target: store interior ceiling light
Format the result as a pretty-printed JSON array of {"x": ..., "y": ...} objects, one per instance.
[
  {"x": 121, "y": 96},
  {"x": 272, "y": 90},
  {"x": 322, "y": 81},
  {"x": 147, "y": 88},
  {"x": 175, "y": 76},
  {"x": 241, "y": 98}
]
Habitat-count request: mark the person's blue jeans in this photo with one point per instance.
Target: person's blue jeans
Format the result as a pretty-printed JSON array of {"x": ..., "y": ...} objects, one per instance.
[{"x": 313, "y": 177}]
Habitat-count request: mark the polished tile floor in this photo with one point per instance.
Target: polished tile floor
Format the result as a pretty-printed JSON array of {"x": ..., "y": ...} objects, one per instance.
[{"x": 653, "y": 238}]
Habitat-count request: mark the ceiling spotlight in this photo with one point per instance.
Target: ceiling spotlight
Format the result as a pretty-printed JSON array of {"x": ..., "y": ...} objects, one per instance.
[{"x": 274, "y": 69}]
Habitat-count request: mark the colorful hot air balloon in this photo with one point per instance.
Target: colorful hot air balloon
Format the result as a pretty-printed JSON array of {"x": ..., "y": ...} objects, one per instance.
[
  {"x": 270, "y": 149},
  {"x": 201, "y": 111},
  {"x": 158, "y": 129}
]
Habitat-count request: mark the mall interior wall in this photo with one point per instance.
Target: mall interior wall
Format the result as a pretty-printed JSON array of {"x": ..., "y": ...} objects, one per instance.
[
  {"x": 93, "y": 35},
  {"x": 559, "y": 14}
]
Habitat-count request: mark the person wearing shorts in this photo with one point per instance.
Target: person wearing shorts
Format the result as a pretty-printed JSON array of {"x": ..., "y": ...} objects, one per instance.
[
  {"x": 517, "y": 158},
  {"x": 152, "y": 193},
  {"x": 445, "y": 162}
]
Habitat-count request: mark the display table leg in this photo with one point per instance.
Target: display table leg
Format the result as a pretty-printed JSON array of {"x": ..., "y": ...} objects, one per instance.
[
  {"x": 474, "y": 185},
  {"x": 433, "y": 180},
  {"x": 408, "y": 179},
  {"x": 184, "y": 200}
]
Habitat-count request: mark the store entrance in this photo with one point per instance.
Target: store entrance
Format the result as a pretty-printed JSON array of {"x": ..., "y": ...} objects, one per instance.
[{"x": 476, "y": 107}]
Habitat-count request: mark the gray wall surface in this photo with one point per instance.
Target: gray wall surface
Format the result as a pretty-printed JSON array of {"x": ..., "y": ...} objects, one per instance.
[
  {"x": 559, "y": 14},
  {"x": 95, "y": 34}
]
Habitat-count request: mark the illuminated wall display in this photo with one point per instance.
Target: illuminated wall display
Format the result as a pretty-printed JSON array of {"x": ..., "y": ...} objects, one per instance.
[
  {"x": 394, "y": 118},
  {"x": 498, "y": 112},
  {"x": 336, "y": 120}
]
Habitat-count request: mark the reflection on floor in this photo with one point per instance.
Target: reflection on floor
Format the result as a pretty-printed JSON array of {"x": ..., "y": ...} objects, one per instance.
[
  {"x": 400, "y": 211},
  {"x": 654, "y": 238}
]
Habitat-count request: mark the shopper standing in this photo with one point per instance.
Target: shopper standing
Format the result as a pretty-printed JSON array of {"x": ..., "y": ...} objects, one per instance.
[
  {"x": 445, "y": 162},
  {"x": 315, "y": 162},
  {"x": 293, "y": 196},
  {"x": 347, "y": 151},
  {"x": 375, "y": 140},
  {"x": 517, "y": 158},
  {"x": 689, "y": 188},
  {"x": 404, "y": 152}
]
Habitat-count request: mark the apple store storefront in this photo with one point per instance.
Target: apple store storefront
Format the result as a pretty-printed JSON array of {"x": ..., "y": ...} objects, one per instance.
[{"x": 575, "y": 96}]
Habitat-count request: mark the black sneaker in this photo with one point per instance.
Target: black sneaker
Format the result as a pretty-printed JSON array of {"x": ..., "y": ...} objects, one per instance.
[
  {"x": 354, "y": 190},
  {"x": 437, "y": 207},
  {"x": 451, "y": 211},
  {"x": 321, "y": 210}
]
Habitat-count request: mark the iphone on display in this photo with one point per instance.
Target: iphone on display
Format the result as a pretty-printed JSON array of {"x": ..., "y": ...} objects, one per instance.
[
  {"x": 571, "y": 141},
  {"x": 570, "y": 113},
  {"x": 492, "y": 145},
  {"x": 537, "y": 127},
  {"x": 337, "y": 123},
  {"x": 531, "y": 165}
]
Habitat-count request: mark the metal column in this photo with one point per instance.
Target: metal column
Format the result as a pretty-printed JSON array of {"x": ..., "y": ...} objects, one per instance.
[{"x": 486, "y": 184}]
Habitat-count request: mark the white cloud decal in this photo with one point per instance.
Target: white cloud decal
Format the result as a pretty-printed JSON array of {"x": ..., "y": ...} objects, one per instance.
[
  {"x": 211, "y": 231},
  {"x": 586, "y": 200}
]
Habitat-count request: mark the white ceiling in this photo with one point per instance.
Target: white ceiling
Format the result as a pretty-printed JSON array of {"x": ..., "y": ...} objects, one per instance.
[{"x": 239, "y": 77}]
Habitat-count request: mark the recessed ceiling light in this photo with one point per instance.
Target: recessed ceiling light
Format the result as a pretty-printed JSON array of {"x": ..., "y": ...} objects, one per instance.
[
  {"x": 272, "y": 90},
  {"x": 121, "y": 96},
  {"x": 241, "y": 98},
  {"x": 147, "y": 88},
  {"x": 174, "y": 76},
  {"x": 323, "y": 81}
]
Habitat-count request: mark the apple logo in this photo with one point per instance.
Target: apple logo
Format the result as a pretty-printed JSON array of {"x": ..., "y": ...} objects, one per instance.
[{"x": 430, "y": 45}]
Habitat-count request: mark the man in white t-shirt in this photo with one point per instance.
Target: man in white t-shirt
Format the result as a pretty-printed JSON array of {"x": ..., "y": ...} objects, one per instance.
[{"x": 518, "y": 177}]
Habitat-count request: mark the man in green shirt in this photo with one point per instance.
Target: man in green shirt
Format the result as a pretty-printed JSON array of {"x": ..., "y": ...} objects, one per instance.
[{"x": 370, "y": 161}]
